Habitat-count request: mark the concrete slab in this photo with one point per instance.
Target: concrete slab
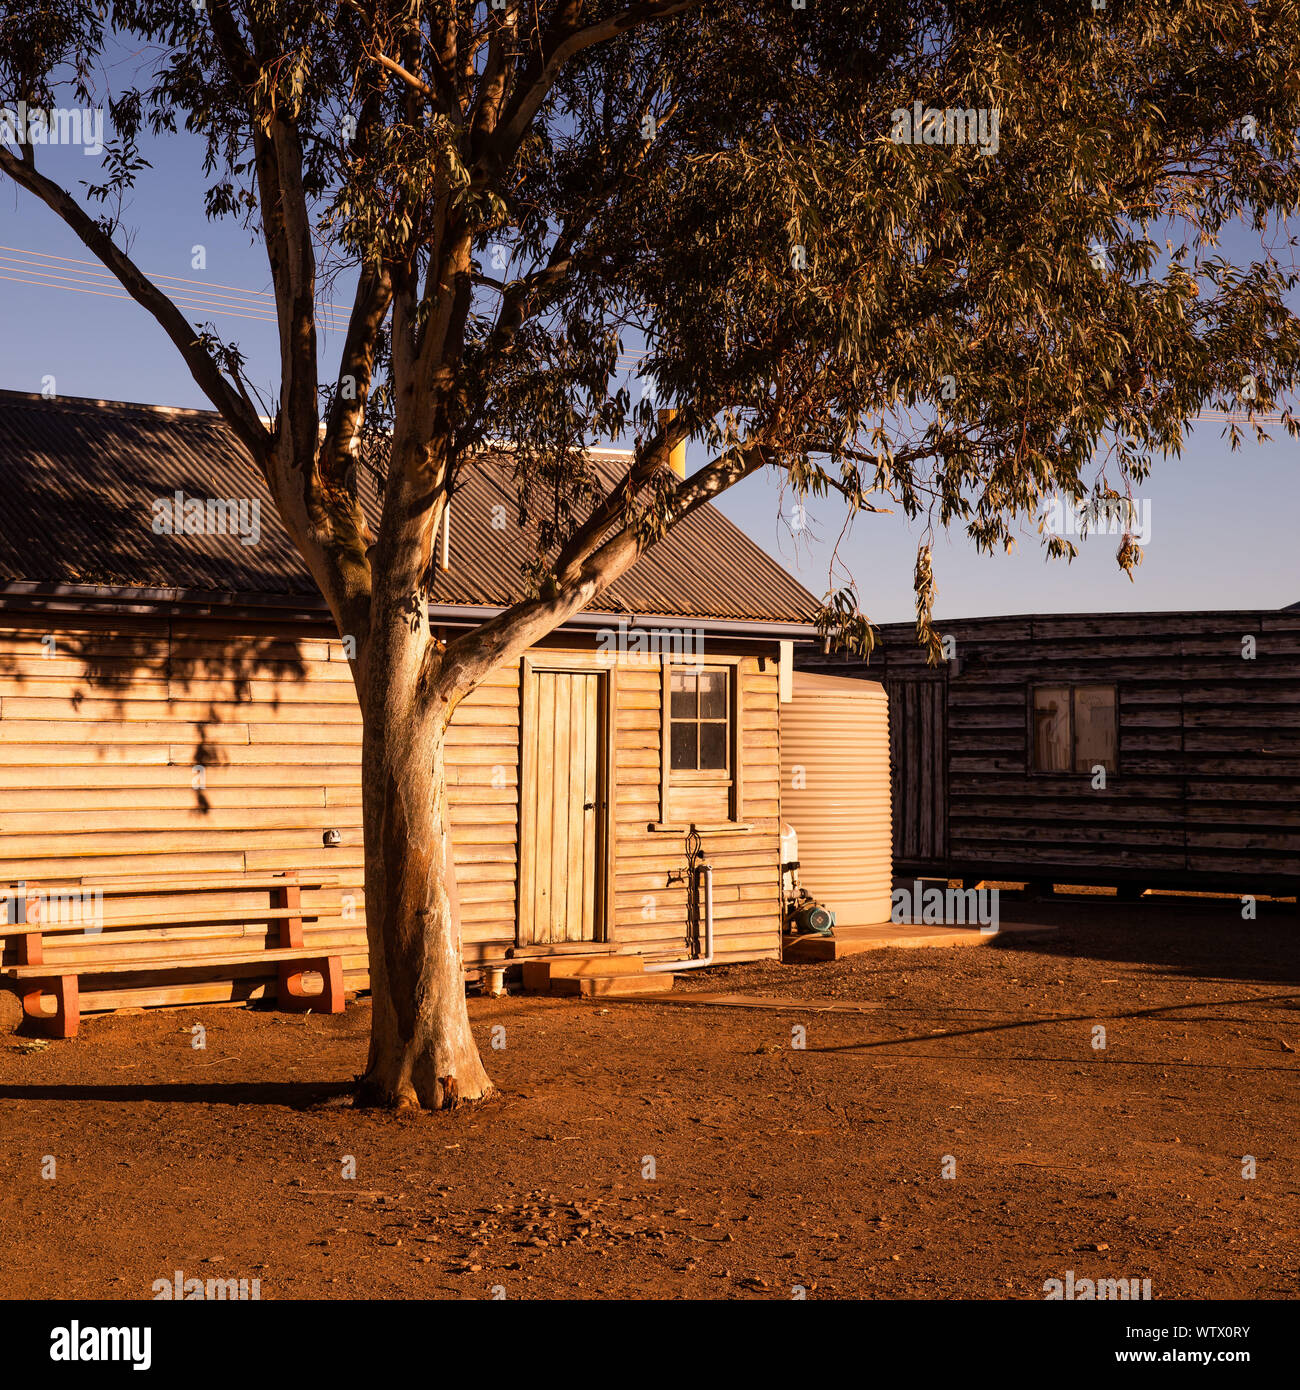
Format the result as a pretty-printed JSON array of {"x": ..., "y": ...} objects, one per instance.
[
  {"x": 850, "y": 941},
  {"x": 571, "y": 966}
]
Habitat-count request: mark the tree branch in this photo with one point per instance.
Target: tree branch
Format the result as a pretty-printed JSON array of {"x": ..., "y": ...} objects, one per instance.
[
  {"x": 444, "y": 97},
  {"x": 562, "y": 42},
  {"x": 589, "y": 536},
  {"x": 465, "y": 660},
  {"x": 234, "y": 407},
  {"x": 369, "y": 309}
]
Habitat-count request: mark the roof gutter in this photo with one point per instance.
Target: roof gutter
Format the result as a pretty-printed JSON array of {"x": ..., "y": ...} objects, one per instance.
[
  {"x": 127, "y": 599},
  {"x": 452, "y": 613}
]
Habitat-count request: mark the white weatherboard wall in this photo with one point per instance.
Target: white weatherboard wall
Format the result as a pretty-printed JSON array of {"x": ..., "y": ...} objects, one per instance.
[{"x": 835, "y": 792}]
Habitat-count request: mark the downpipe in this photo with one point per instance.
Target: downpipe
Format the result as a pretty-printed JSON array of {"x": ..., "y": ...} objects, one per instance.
[{"x": 699, "y": 962}]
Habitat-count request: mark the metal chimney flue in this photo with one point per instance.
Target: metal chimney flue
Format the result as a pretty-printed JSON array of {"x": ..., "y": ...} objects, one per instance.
[{"x": 677, "y": 455}]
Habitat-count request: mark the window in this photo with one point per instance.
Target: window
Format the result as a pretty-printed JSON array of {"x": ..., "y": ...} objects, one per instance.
[
  {"x": 700, "y": 720},
  {"x": 1074, "y": 728},
  {"x": 701, "y": 772}
]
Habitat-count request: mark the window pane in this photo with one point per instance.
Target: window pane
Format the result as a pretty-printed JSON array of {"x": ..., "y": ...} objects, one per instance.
[
  {"x": 713, "y": 694},
  {"x": 713, "y": 745},
  {"x": 683, "y": 694},
  {"x": 1094, "y": 727},
  {"x": 684, "y": 747},
  {"x": 1052, "y": 729}
]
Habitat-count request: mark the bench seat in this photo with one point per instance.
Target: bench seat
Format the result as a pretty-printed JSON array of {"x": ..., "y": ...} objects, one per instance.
[
  {"x": 166, "y": 919},
  {"x": 164, "y": 883},
  {"x": 128, "y": 967},
  {"x": 292, "y": 959}
]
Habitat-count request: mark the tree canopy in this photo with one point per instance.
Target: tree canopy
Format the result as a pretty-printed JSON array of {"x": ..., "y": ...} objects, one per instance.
[{"x": 519, "y": 191}]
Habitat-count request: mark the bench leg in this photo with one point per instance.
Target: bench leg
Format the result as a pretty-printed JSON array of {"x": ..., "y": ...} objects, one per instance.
[
  {"x": 332, "y": 996},
  {"x": 67, "y": 1004},
  {"x": 329, "y": 1001}
]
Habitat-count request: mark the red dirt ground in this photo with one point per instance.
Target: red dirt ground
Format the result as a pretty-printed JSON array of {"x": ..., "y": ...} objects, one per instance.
[{"x": 774, "y": 1166}]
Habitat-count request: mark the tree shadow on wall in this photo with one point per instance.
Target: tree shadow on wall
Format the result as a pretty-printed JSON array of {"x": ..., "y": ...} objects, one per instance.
[{"x": 64, "y": 665}]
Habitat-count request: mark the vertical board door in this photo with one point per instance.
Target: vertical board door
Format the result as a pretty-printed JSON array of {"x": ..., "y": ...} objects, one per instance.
[
  {"x": 561, "y": 808},
  {"x": 918, "y": 756}
]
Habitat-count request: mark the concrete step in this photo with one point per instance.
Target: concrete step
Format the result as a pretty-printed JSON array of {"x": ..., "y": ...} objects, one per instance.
[
  {"x": 593, "y": 965},
  {"x": 604, "y": 986},
  {"x": 592, "y": 975}
]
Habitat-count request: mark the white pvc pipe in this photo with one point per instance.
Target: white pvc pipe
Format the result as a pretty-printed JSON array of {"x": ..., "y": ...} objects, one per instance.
[{"x": 707, "y": 957}]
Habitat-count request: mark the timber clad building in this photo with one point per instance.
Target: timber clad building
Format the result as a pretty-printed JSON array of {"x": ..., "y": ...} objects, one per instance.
[
  {"x": 1194, "y": 717},
  {"x": 181, "y": 704}
]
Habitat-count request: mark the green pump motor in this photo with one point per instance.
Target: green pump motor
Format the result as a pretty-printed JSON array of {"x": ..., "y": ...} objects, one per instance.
[
  {"x": 803, "y": 913},
  {"x": 813, "y": 917}
]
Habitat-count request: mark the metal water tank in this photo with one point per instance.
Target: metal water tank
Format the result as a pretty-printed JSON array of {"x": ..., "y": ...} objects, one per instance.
[{"x": 835, "y": 792}]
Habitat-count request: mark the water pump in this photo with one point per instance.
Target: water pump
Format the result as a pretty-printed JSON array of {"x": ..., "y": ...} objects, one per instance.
[{"x": 803, "y": 913}]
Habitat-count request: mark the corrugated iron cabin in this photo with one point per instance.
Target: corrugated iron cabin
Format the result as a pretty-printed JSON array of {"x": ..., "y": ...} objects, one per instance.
[
  {"x": 182, "y": 704},
  {"x": 1195, "y": 717}
]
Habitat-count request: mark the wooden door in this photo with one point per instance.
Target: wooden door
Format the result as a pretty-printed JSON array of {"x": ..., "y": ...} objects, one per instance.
[
  {"x": 562, "y": 808},
  {"x": 918, "y": 760}
]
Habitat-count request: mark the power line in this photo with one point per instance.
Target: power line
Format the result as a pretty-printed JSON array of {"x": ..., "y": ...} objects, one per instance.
[
  {"x": 48, "y": 271},
  {"x": 259, "y": 305},
  {"x": 1221, "y": 417},
  {"x": 44, "y": 270},
  {"x": 97, "y": 268},
  {"x": 47, "y": 280},
  {"x": 196, "y": 309},
  {"x": 109, "y": 294}
]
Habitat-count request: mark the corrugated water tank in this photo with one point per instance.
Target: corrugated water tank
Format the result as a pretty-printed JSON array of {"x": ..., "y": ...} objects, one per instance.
[{"x": 835, "y": 792}]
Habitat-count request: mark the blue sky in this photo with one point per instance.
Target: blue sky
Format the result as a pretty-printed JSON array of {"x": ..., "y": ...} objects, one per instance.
[{"x": 1225, "y": 527}]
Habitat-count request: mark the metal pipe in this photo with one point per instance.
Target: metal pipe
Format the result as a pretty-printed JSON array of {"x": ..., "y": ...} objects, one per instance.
[{"x": 707, "y": 957}]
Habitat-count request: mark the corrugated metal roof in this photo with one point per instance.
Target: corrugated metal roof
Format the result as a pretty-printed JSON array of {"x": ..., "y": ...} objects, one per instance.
[{"x": 78, "y": 479}]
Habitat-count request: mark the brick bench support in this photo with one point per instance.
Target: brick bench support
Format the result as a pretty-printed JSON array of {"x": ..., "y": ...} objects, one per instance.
[
  {"x": 329, "y": 1001},
  {"x": 67, "y": 1003}
]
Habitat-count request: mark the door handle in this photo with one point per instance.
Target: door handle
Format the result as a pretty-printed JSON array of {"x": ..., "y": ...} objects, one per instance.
[{"x": 588, "y": 805}]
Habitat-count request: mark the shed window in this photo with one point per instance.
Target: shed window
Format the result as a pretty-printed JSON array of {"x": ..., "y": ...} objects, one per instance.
[
  {"x": 701, "y": 770},
  {"x": 1074, "y": 728},
  {"x": 700, "y": 718}
]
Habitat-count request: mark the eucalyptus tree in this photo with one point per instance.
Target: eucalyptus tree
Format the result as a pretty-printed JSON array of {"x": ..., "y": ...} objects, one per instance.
[{"x": 959, "y": 255}]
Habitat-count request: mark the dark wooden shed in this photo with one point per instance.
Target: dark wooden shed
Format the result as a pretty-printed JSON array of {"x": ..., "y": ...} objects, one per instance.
[{"x": 1136, "y": 750}]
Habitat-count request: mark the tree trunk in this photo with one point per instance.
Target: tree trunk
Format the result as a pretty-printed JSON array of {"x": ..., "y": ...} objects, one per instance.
[{"x": 422, "y": 1053}]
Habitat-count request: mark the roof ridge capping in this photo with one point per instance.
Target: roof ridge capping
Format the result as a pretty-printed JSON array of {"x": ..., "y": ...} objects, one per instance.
[
  {"x": 98, "y": 403},
  {"x": 94, "y": 403}
]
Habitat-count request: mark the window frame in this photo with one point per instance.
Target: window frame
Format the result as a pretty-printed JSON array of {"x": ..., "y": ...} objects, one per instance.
[
  {"x": 1073, "y": 686},
  {"x": 705, "y": 776},
  {"x": 733, "y": 777}
]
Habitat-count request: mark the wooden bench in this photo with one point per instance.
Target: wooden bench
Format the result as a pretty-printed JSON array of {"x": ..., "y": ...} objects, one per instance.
[{"x": 141, "y": 926}]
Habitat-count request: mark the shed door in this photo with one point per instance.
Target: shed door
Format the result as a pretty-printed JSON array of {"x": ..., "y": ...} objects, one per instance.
[
  {"x": 561, "y": 808},
  {"x": 918, "y": 737}
]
